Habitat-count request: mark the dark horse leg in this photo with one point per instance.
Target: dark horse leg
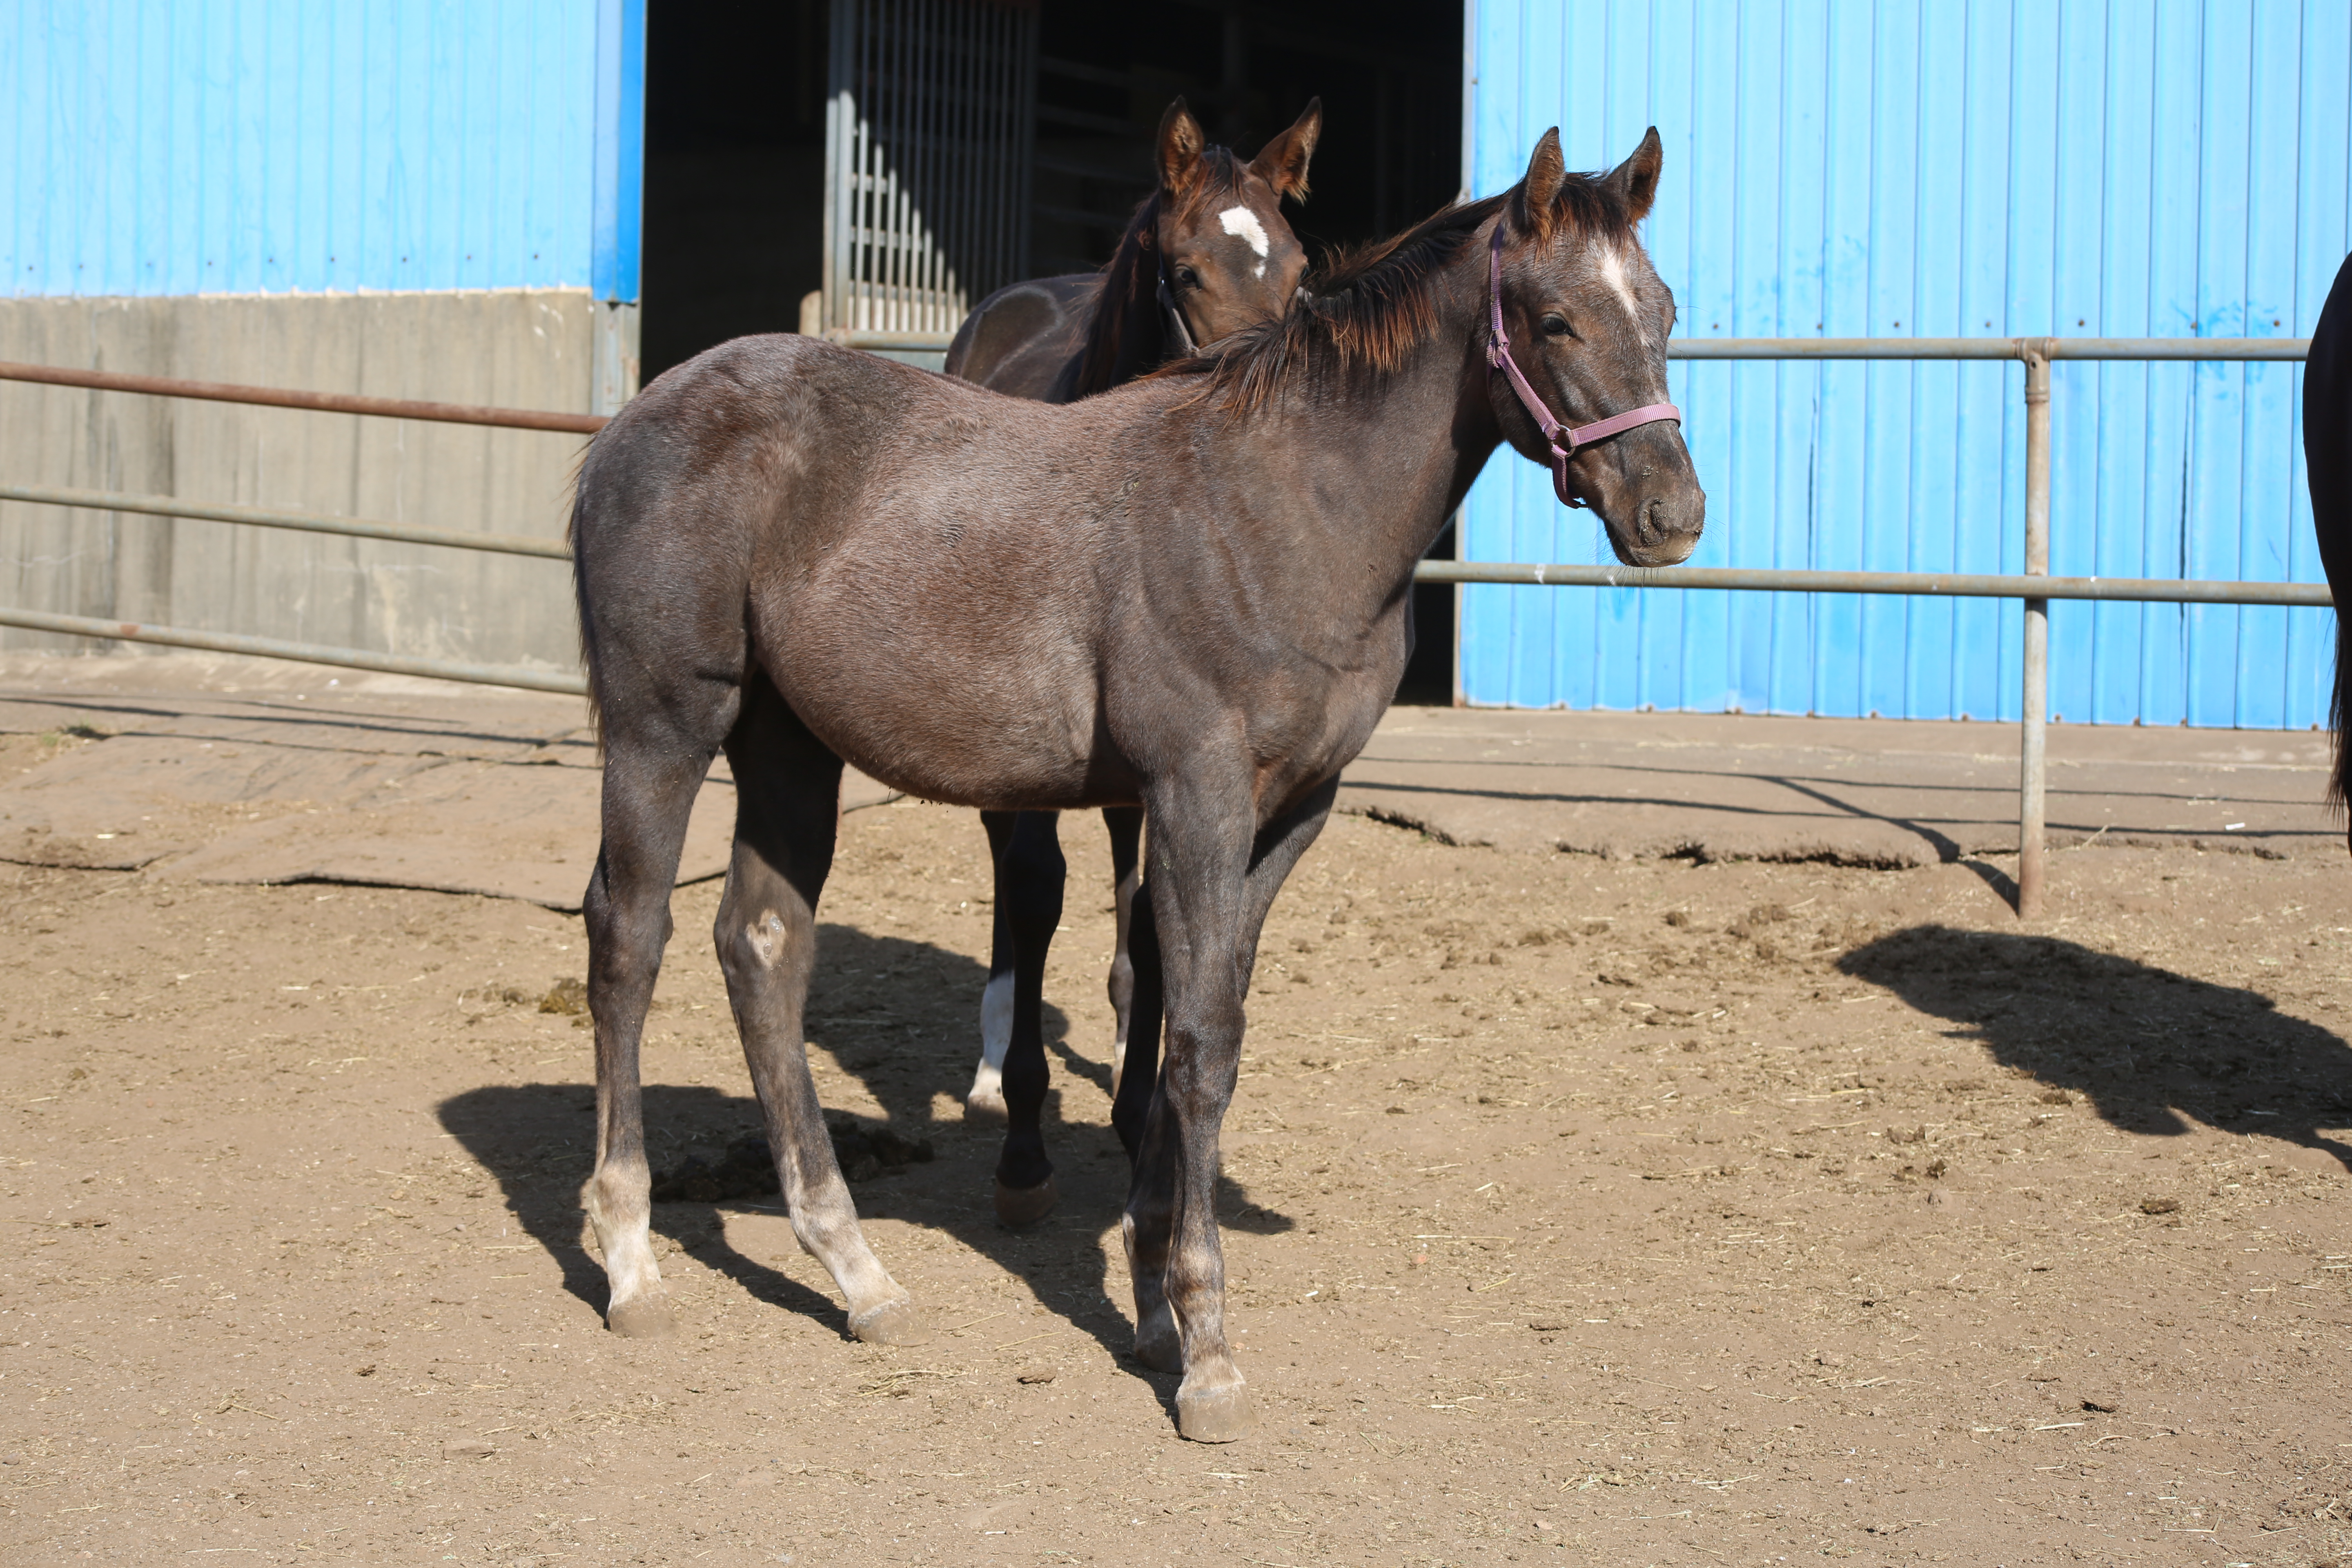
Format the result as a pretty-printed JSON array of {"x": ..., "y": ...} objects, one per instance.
[
  {"x": 985, "y": 1098},
  {"x": 788, "y": 807},
  {"x": 656, "y": 754},
  {"x": 1029, "y": 880},
  {"x": 1211, "y": 884},
  {"x": 1125, "y": 824}
]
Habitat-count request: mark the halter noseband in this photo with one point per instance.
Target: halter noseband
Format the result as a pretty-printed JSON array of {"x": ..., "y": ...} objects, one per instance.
[{"x": 1498, "y": 357}]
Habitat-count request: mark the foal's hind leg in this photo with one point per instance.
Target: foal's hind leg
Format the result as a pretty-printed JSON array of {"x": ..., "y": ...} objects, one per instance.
[
  {"x": 985, "y": 1099},
  {"x": 1125, "y": 824},
  {"x": 787, "y": 791},
  {"x": 652, "y": 774}
]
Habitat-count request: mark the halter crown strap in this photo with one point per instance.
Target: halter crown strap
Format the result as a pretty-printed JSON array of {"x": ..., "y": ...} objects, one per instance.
[{"x": 1498, "y": 357}]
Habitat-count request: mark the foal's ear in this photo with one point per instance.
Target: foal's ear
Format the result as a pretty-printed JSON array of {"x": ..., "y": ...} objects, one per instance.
[
  {"x": 1282, "y": 162},
  {"x": 1636, "y": 179},
  {"x": 1547, "y": 172},
  {"x": 1181, "y": 144}
]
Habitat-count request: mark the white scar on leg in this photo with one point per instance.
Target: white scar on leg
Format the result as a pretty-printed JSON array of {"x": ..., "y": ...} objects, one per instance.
[
  {"x": 766, "y": 937},
  {"x": 1244, "y": 223}
]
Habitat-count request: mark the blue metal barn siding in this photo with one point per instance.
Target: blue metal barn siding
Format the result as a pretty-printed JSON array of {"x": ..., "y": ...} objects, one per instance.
[
  {"x": 175, "y": 147},
  {"x": 1961, "y": 167}
]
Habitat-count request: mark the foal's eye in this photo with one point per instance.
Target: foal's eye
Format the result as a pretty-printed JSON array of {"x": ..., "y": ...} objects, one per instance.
[
  {"x": 1555, "y": 326},
  {"x": 1187, "y": 279}
]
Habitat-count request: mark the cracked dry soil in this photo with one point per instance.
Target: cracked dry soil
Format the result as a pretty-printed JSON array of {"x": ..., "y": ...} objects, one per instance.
[{"x": 1576, "y": 1210}]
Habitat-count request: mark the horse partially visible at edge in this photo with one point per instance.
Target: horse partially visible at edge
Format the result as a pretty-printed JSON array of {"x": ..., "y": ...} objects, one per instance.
[
  {"x": 1188, "y": 594},
  {"x": 2327, "y": 468},
  {"x": 1208, "y": 252}
]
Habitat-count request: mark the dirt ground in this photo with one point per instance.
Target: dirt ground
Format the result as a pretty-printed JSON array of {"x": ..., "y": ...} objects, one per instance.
[{"x": 1638, "y": 1212}]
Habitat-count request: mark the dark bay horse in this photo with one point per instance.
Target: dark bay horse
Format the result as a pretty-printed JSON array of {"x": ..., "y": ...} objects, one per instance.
[
  {"x": 1207, "y": 252},
  {"x": 2327, "y": 468},
  {"x": 1189, "y": 593}
]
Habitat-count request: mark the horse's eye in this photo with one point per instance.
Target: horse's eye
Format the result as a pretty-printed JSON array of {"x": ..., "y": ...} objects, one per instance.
[
  {"x": 1555, "y": 326},
  {"x": 1187, "y": 279}
]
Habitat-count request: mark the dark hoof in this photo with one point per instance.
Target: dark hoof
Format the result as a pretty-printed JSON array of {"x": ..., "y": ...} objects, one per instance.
[
  {"x": 1020, "y": 1207},
  {"x": 647, "y": 1318},
  {"x": 1218, "y": 1415},
  {"x": 892, "y": 1323},
  {"x": 1156, "y": 1344}
]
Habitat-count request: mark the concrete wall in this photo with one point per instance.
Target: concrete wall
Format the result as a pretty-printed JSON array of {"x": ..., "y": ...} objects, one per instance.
[{"x": 518, "y": 348}]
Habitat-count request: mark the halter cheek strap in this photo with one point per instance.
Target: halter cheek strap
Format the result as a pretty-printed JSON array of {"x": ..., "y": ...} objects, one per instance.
[
  {"x": 1498, "y": 357},
  {"x": 1178, "y": 332}
]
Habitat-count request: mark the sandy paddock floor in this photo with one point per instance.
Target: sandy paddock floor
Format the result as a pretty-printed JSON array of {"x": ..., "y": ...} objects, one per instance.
[{"x": 1577, "y": 1210}]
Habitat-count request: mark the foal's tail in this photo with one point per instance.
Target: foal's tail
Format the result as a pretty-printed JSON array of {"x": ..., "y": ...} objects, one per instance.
[{"x": 571, "y": 533}]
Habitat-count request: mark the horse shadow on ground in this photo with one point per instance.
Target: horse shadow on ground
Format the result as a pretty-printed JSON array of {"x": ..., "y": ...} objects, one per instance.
[
  {"x": 2146, "y": 1046},
  {"x": 900, "y": 1017}
]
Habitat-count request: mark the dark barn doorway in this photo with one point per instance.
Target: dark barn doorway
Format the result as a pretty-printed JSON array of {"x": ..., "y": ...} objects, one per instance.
[{"x": 735, "y": 151}]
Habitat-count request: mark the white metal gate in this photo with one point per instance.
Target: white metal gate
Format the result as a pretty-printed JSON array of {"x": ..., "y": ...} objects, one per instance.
[{"x": 929, "y": 129}]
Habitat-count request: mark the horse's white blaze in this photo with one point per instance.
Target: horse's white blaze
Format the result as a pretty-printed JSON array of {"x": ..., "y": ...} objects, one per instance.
[
  {"x": 1612, "y": 272},
  {"x": 1243, "y": 223}
]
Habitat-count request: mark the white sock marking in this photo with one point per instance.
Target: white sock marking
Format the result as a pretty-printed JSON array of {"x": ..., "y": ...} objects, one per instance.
[{"x": 996, "y": 1021}]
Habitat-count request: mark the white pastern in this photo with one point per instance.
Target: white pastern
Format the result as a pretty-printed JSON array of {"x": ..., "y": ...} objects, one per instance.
[
  {"x": 1243, "y": 224},
  {"x": 996, "y": 1021}
]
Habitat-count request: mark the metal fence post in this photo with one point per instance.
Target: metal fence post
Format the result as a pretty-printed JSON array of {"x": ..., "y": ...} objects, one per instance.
[{"x": 2033, "y": 737}]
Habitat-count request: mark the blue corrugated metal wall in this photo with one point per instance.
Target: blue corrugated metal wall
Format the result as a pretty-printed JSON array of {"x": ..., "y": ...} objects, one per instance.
[
  {"x": 242, "y": 147},
  {"x": 1889, "y": 168}
]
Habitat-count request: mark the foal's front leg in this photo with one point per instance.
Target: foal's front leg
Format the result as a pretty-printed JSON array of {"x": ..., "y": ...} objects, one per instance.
[{"x": 1210, "y": 895}]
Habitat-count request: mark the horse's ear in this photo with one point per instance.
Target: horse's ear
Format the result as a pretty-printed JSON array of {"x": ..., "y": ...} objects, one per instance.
[
  {"x": 1282, "y": 162},
  {"x": 1547, "y": 172},
  {"x": 1636, "y": 179},
  {"x": 1180, "y": 144}
]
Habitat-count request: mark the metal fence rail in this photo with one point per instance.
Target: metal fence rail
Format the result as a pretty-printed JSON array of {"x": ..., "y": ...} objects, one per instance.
[
  {"x": 1947, "y": 585},
  {"x": 319, "y": 402},
  {"x": 563, "y": 681},
  {"x": 300, "y": 522},
  {"x": 2034, "y": 586}
]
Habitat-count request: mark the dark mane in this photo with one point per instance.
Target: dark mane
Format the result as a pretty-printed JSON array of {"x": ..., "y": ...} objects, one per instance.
[
  {"x": 1132, "y": 278},
  {"x": 1370, "y": 306}
]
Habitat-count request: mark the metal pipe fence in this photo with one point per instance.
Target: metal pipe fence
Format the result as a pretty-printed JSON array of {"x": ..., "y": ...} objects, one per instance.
[
  {"x": 300, "y": 522},
  {"x": 558, "y": 680},
  {"x": 2035, "y": 587},
  {"x": 317, "y": 402}
]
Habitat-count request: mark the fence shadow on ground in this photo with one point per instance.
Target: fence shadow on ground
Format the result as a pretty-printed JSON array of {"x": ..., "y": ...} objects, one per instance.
[
  {"x": 2145, "y": 1046},
  {"x": 879, "y": 1007}
]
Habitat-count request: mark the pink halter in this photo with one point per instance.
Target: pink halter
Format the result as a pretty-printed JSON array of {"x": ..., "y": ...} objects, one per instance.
[{"x": 1498, "y": 357}]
